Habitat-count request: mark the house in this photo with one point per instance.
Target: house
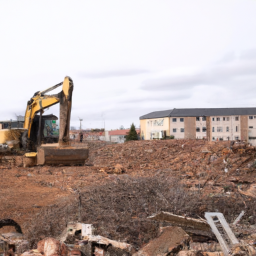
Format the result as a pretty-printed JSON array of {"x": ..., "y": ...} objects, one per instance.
[
  {"x": 201, "y": 123},
  {"x": 118, "y": 136},
  {"x": 88, "y": 135},
  {"x": 11, "y": 123}
]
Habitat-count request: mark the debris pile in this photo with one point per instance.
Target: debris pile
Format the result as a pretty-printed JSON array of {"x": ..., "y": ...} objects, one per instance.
[
  {"x": 119, "y": 210},
  {"x": 175, "y": 182},
  {"x": 214, "y": 167},
  {"x": 178, "y": 155},
  {"x": 78, "y": 239}
]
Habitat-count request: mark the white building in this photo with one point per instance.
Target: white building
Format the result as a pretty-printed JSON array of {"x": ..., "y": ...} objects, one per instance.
[{"x": 209, "y": 123}]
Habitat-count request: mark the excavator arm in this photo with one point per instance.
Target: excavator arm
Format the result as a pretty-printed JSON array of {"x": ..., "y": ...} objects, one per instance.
[
  {"x": 62, "y": 152},
  {"x": 41, "y": 101}
]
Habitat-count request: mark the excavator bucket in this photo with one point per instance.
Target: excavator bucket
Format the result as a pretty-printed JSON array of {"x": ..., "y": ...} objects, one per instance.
[{"x": 53, "y": 154}]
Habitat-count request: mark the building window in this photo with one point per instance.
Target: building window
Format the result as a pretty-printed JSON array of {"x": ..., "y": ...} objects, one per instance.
[
  {"x": 218, "y": 119},
  {"x": 204, "y": 129},
  {"x": 174, "y": 130},
  {"x": 254, "y": 117},
  {"x": 236, "y": 128},
  {"x": 250, "y": 127},
  {"x": 181, "y": 129},
  {"x": 219, "y": 129},
  {"x": 227, "y": 118},
  {"x": 213, "y": 119},
  {"x": 174, "y": 120},
  {"x": 236, "y": 138},
  {"x": 203, "y": 118},
  {"x": 197, "y": 129},
  {"x": 237, "y": 118},
  {"x": 213, "y": 130},
  {"x": 224, "y": 118},
  {"x": 181, "y": 119},
  {"x": 227, "y": 138},
  {"x": 159, "y": 122},
  {"x": 197, "y": 118},
  {"x": 250, "y": 117},
  {"x": 227, "y": 129},
  {"x": 213, "y": 138}
]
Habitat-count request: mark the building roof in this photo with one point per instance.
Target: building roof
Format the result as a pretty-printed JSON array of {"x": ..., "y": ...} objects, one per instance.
[
  {"x": 193, "y": 112},
  {"x": 157, "y": 114},
  {"x": 121, "y": 132}
]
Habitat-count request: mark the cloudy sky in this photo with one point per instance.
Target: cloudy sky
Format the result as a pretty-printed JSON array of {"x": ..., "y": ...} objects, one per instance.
[{"x": 128, "y": 58}]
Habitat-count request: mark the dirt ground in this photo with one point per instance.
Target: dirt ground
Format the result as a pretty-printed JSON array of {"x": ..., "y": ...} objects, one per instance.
[{"x": 122, "y": 184}]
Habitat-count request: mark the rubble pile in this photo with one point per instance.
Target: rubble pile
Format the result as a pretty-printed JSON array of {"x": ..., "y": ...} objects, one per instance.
[
  {"x": 216, "y": 167},
  {"x": 78, "y": 240},
  {"x": 178, "y": 155},
  {"x": 119, "y": 210},
  {"x": 126, "y": 190}
]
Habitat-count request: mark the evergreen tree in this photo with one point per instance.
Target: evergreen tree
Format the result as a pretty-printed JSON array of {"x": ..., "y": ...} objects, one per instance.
[{"x": 132, "y": 135}]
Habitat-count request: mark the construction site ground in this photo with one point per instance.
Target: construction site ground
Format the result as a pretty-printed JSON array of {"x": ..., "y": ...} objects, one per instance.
[{"x": 123, "y": 184}]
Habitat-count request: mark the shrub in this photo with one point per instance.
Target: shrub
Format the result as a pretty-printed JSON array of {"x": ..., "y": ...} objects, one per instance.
[{"x": 132, "y": 135}]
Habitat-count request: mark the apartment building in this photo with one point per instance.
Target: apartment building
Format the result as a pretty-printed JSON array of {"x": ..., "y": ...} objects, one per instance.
[{"x": 212, "y": 124}]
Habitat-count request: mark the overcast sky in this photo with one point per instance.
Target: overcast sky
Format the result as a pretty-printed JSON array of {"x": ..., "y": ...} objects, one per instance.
[{"x": 128, "y": 58}]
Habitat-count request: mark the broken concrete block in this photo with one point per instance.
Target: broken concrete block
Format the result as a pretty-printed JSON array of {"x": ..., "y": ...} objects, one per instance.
[
  {"x": 105, "y": 241},
  {"x": 31, "y": 253},
  {"x": 40, "y": 246},
  {"x": 186, "y": 253},
  {"x": 199, "y": 253},
  {"x": 199, "y": 227},
  {"x": 75, "y": 253},
  {"x": 99, "y": 251},
  {"x": 112, "y": 251},
  {"x": 171, "y": 240},
  {"x": 205, "y": 247},
  {"x": 182, "y": 221},
  {"x": 212, "y": 253},
  {"x": 50, "y": 246}
]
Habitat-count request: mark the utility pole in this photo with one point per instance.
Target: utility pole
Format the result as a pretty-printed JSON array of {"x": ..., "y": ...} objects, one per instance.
[
  {"x": 80, "y": 124},
  {"x": 102, "y": 115}
]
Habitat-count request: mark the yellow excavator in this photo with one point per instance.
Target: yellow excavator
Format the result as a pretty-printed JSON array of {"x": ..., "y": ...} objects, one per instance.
[{"x": 55, "y": 153}]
